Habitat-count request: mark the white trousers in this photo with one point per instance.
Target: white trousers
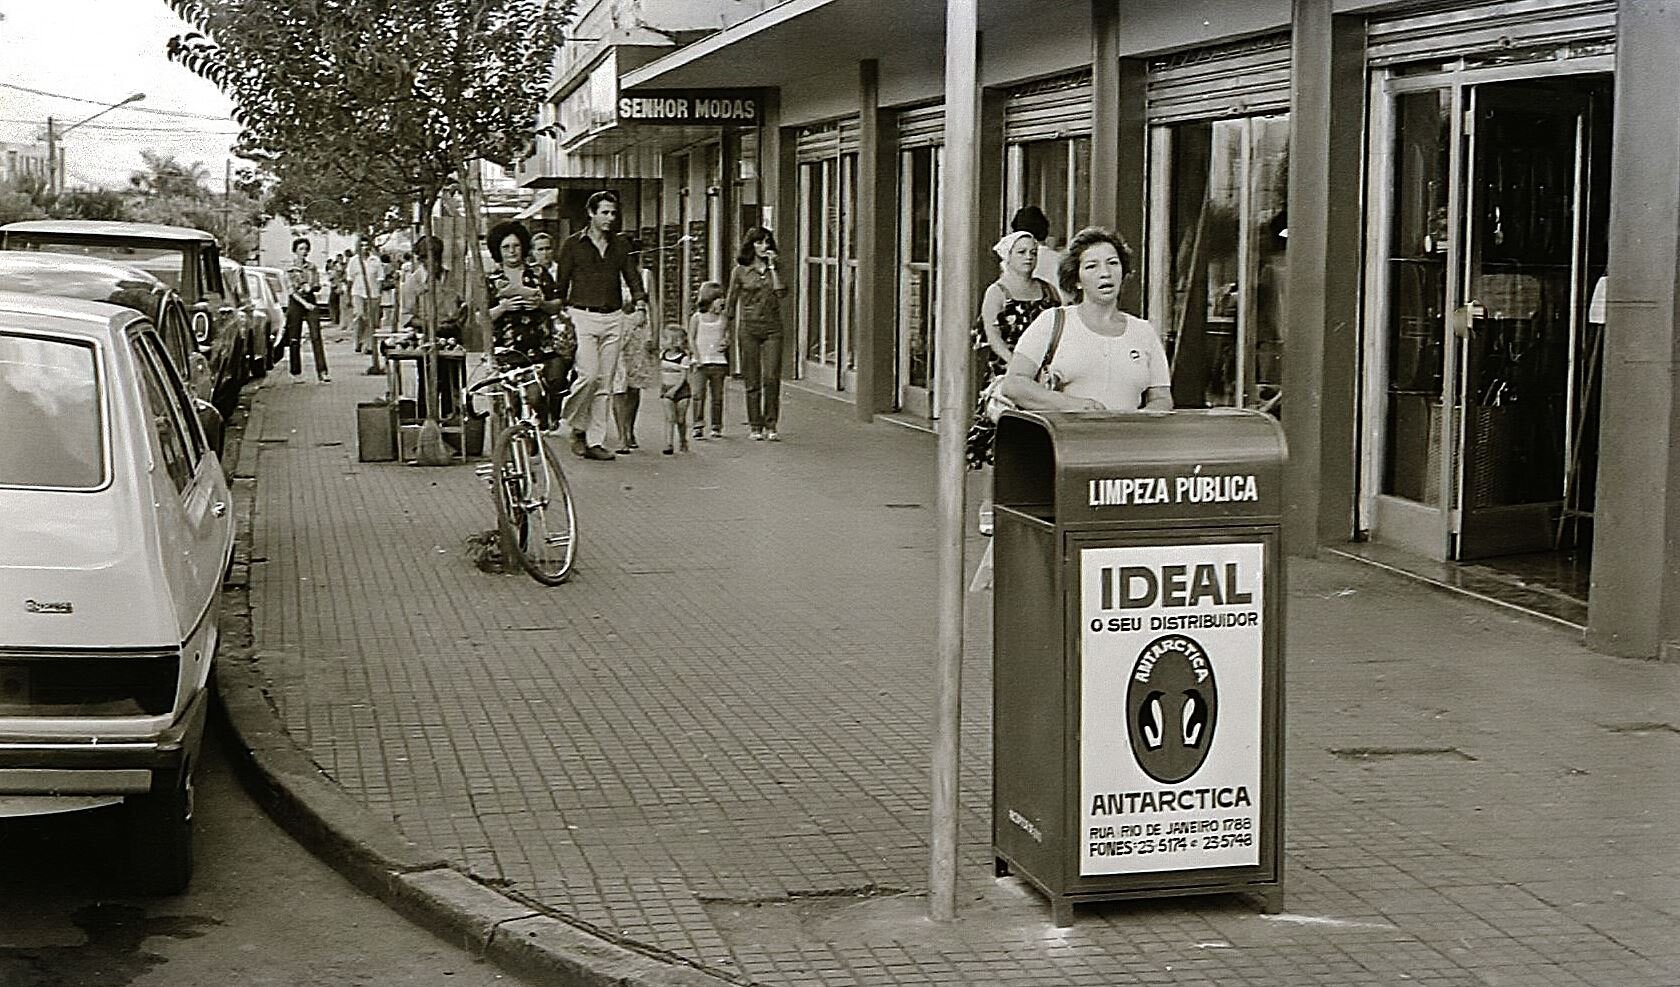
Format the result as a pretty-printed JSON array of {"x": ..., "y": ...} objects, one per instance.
[{"x": 589, "y": 402}]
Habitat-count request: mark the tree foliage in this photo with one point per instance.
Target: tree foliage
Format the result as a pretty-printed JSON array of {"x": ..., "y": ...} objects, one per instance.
[
  {"x": 390, "y": 96},
  {"x": 27, "y": 197}
]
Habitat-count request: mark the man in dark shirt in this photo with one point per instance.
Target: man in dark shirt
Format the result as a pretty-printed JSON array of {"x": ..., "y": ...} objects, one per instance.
[{"x": 594, "y": 268}]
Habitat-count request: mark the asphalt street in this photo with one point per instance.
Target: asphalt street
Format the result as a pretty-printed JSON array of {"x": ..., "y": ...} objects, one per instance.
[{"x": 261, "y": 910}]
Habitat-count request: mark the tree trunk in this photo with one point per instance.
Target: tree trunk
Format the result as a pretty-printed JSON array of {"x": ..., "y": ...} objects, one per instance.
[{"x": 478, "y": 308}]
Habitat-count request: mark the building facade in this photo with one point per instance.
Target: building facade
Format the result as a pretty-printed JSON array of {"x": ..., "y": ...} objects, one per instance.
[
  {"x": 1438, "y": 240},
  {"x": 22, "y": 161}
]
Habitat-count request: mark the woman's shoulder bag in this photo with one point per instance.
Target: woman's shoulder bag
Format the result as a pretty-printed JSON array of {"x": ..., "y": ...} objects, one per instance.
[{"x": 992, "y": 400}]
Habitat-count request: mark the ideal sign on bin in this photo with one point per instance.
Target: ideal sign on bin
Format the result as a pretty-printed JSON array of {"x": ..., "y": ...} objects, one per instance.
[{"x": 1138, "y": 655}]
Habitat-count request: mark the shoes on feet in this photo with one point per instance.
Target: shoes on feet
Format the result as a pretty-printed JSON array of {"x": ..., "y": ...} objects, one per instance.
[
  {"x": 373, "y": 371},
  {"x": 758, "y": 435},
  {"x": 324, "y": 377},
  {"x": 623, "y": 450},
  {"x": 771, "y": 436},
  {"x": 717, "y": 433},
  {"x": 669, "y": 451},
  {"x": 598, "y": 452},
  {"x": 580, "y": 446},
  {"x": 699, "y": 432}
]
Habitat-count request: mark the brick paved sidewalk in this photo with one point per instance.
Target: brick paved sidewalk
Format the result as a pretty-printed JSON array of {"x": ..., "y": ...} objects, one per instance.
[{"x": 714, "y": 741}]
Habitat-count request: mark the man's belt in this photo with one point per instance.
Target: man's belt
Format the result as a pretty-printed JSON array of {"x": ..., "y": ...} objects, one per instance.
[{"x": 598, "y": 309}]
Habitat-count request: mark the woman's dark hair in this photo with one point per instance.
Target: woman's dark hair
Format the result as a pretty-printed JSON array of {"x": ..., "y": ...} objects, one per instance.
[
  {"x": 303, "y": 240},
  {"x": 1067, "y": 274},
  {"x": 1031, "y": 219},
  {"x": 501, "y": 231},
  {"x": 745, "y": 255}
]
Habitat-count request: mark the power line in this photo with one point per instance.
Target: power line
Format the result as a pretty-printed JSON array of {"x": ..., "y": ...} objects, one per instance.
[
  {"x": 136, "y": 128},
  {"x": 106, "y": 102}
]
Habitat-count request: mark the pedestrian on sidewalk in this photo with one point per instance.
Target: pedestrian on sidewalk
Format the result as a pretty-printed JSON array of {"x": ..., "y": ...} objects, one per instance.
[
  {"x": 1007, "y": 307},
  {"x": 1031, "y": 219},
  {"x": 1105, "y": 358},
  {"x": 676, "y": 359},
  {"x": 305, "y": 282},
  {"x": 754, "y": 308},
  {"x": 637, "y": 351},
  {"x": 335, "y": 282},
  {"x": 524, "y": 302},
  {"x": 387, "y": 294},
  {"x": 364, "y": 275},
  {"x": 709, "y": 332},
  {"x": 596, "y": 270},
  {"x": 557, "y": 371}
]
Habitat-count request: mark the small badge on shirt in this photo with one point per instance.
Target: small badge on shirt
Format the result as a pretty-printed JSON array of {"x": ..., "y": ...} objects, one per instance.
[{"x": 1137, "y": 355}]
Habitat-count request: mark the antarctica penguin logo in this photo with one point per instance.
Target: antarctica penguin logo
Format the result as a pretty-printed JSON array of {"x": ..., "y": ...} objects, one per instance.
[{"x": 1172, "y": 706}]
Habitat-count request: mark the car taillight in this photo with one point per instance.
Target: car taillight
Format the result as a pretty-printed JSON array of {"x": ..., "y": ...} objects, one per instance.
[{"x": 80, "y": 685}]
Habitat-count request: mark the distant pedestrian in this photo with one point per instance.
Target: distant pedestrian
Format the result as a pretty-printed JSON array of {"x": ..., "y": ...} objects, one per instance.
[
  {"x": 365, "y": 273},
  {"x": 754, "y": 308},
  {"x": 335, "y": 287},
  {"x": 636, "y": 351},
  {"x": 1009, "y": 305},
  {"x": 305, "y": 282},
  {"x": 596, "y": 270},
  {"x": 709, "y": 333},
  {"x": 676, "y": 358},
  {"x": 341, "y": 285},
  {"x": 524, "y": 302}
]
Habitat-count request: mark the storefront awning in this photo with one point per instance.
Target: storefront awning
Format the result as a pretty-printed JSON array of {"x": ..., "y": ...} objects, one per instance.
[
  {"x": 795, "y": 39},
  {"x": 543, "y": 200}
]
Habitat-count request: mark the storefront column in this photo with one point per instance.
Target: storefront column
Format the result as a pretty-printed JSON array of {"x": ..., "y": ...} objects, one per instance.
[
  {"x": 876, "y": 244},
  {"x": 781, "y": 187},
  {"x": 1105, "y": 114},
  {"x": 1131, "y": 140},
  {"x": 1634, "y": 608},
  {"x": 1320, "y": 354}
]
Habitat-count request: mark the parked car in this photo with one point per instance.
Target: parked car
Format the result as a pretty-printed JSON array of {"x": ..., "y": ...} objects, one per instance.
[
  {"x": 276, "y": 292},
  {"x": 94, "y": 280},
  {"x": 187, "y": 260},
  {"x": 115, "y": 534}
]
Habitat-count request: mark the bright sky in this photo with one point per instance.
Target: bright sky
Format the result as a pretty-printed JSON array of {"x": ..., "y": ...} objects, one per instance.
[{"x": 104, "y": 51}]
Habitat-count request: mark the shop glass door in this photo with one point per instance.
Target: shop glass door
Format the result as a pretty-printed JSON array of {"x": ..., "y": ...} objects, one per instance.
[
  {"x": 1475, "y": 298},
  {"x": 1519, "y": 319},
  {"x": 820, "y": 315},
  {"x": 918, "y": 290},
  {"x": 1217, "y": 259}
]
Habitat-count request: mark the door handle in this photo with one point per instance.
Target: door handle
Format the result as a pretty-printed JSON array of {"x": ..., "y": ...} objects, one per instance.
[
  {"x": 1465, "y": 315},
  {"x": 219, "y": 508}
]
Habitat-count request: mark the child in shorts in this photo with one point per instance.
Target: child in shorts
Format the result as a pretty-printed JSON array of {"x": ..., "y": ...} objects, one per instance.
[{"x": 676, "y": 356}]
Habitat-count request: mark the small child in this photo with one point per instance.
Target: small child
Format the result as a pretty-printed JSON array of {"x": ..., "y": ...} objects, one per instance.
[
  {"x": 710, "y": 332},
  {"x": 675, "y": 358}
]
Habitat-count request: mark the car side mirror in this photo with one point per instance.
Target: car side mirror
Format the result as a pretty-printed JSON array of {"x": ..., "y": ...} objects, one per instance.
[{"x": 211, "y": 423}]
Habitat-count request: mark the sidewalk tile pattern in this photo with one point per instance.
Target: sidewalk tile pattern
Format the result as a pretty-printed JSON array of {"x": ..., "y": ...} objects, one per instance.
[{"x": 714, "y": 742}]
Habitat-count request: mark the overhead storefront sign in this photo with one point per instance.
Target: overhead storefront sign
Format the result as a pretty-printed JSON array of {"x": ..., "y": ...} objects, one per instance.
[
  {"x": 1170, "y": 730},
  {"x": 690, "y": 107}
]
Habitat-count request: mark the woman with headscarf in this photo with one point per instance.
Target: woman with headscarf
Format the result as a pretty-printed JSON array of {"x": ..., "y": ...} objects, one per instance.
[{"x": 1007, "y": 307}]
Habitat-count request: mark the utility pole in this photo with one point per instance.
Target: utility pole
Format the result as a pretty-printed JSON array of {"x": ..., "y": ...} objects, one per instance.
[
  {"x": 52, "y": 157},
  {"x": 227, "y": 205}
]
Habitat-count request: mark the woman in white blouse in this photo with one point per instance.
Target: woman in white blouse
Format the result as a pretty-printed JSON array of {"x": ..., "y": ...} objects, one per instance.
[{"x": 1106, "y": 360}]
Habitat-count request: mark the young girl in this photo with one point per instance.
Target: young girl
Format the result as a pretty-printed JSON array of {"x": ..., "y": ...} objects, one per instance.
[
  {"x": 709, "y": 331},
  {"x": 676, "y": 355}
]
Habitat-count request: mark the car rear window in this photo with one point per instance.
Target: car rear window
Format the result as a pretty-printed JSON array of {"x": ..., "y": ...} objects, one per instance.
[
  {"x": 167, "y": 264},
  {"x": 49, "y": 398}
]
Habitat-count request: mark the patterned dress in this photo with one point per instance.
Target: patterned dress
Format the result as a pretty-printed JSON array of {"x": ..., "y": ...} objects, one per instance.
[
  {"x": 1012, "y": 320},
  {"x": 526, "y": 330}
]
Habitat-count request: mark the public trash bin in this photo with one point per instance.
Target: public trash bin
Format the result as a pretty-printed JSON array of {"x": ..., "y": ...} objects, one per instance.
[{"x": 1137, "y": 730}]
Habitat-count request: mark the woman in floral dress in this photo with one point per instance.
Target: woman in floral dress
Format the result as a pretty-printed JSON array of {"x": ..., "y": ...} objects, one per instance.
[{"x": 1009, "y": 305}]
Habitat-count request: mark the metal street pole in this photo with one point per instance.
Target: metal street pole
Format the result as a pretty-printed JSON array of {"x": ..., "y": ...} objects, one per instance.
[{"x": 958, "y": 206}]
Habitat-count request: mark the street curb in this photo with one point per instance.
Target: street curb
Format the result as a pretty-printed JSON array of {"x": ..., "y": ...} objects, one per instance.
[{"x": 370, "y": 851}]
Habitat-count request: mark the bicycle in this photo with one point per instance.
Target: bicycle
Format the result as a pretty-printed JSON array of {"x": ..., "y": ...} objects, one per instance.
[{"x": 535, "y": 518}]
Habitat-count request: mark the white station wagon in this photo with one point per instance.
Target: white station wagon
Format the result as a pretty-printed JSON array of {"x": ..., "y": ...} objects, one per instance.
[{"x": 116, "y": 529}]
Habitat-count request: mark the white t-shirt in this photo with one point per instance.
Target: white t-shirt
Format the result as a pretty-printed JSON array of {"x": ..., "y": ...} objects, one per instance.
[
  {"x": 1114, "y": 370},
  {"x": 1048, "y": 267}
]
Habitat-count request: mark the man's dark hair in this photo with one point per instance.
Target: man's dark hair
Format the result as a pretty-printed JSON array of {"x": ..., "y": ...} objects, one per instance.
[
  {"x": 605, "y": 195},
  {"x": 303, "y": 240},
  {"x": 430, "y": 252},
  {"x": 501, "y": 231},
  {"x": 1031, "y": 219},
  {"x": 1068, "y": 273}
]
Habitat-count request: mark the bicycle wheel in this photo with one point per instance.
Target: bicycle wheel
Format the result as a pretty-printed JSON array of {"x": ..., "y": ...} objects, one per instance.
[{"x": 534, "y": 511}]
